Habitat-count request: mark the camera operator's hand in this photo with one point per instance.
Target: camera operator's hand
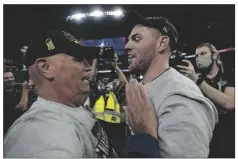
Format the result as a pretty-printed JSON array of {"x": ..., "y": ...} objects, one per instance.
[
  {"x": 30, "y": 82},
  {"x": 115, "y": 60},
  {"x": 188, "y": 71},
  {"x": 23, "y": 103},
  {"x": 140, "y": 112},
  {"x": 25, "y": 86}
]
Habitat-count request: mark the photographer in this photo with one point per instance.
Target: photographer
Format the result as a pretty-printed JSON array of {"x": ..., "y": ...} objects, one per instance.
[
  {"x": 106, "y": 85},
  {"x": 14, "y": 106},
  {"x": 106, "y": 105},
  {"x": 219, "y": 87}
]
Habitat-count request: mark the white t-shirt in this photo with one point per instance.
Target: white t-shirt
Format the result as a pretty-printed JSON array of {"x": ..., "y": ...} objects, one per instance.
[
  {"x": 49, "y": 129},
  {"x": 186, "y": 118}
]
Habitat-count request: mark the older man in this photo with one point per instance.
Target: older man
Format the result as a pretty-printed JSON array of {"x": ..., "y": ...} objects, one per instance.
[{"x": 57, "y": 125}]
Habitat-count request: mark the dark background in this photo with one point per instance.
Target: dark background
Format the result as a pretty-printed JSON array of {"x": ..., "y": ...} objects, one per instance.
[{"x": 195, "y": 24}]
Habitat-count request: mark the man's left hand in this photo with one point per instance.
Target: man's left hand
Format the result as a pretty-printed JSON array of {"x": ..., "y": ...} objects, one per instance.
[
  {"x": 188, "y": 71},
  {"x": 140, "y": 112}
]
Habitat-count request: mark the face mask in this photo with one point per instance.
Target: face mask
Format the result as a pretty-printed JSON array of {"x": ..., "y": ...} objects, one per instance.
[
  {"x": 8, "y": 85},
  {"x": 203, "y": 62}
]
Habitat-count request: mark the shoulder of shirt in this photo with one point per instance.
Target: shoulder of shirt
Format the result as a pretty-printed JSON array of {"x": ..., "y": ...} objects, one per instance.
[
  {"x": 175, "y": 79},
  {"x": 41, "y": 109},
  {"x": 174, "y": 83},
  {"x": 177, "y": 87}
]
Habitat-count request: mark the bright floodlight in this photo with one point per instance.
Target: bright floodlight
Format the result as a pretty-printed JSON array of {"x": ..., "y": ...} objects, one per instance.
[
  {"x": 78, "y": 16},
  {"x": 109, "y": 13},
  {"x": 118, "y": 13},
  {"x": 96, "y": 13}
]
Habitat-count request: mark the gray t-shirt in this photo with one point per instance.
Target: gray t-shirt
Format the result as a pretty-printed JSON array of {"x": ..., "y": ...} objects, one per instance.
[
  {"x": 186, "y": 117},
  {"x": 49, "y": 129}
]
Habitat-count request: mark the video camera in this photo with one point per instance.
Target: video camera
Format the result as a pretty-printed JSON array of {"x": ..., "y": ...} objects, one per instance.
[
  {"x": 17, "y": 88},
  {"x": 107, "y": 53},
  {"x": 176, "y": 58}
]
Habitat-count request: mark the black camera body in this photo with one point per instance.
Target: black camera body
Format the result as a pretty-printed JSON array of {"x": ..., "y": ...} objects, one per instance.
[
  {"x": 17, "y": 88},
  {"x": 176, "y": 58},
  {"x": 106, "y": 53}
]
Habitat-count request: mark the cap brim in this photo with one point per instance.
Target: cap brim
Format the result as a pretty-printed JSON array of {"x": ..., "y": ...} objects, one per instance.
[
  {"x": 90, "y": 52},
  {"x": 84, "y": 52},
  {"x": 133, "y": 18}
]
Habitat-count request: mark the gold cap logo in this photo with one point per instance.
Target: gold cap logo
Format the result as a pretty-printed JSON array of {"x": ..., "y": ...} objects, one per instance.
[{"x": 50, "y": 44}]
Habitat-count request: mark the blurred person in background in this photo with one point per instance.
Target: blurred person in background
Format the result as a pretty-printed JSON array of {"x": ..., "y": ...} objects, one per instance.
[
  {"x": 14, "y": 106},
  {"x": 105, "y": 98},
  {"x": 9, "y": 81},
  {"x": 106, "y": 83},
  {"x": 219, "y": 86}
]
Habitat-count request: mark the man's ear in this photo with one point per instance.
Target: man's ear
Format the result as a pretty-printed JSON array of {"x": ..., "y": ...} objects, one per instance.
[
  {"x": 45, "y": 68},
  {"x": 162, "y": 43}
]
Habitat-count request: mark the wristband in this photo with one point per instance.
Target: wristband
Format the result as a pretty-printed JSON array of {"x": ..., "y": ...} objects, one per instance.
[{"x": 200, "y": 80}]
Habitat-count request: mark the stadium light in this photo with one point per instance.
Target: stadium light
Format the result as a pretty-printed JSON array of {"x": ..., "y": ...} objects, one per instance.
[
  {"x": 118, "y": 13},
  {"x": 109, "y": 13},
  {"x": 96, "y": 13},
  {"x": 78, "y": 16}
]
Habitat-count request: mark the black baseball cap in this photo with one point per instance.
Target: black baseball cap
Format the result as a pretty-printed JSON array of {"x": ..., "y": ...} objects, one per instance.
[
  {"x": 55, "y": 42},
  {"x": 160, "y": 23}
]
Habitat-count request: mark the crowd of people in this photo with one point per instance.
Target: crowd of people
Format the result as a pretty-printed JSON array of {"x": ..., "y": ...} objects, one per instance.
[{"x": 66, "y": 110}]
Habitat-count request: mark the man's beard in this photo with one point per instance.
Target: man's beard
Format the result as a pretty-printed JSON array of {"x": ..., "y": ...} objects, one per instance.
[{"x": 141, "y": 68}]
